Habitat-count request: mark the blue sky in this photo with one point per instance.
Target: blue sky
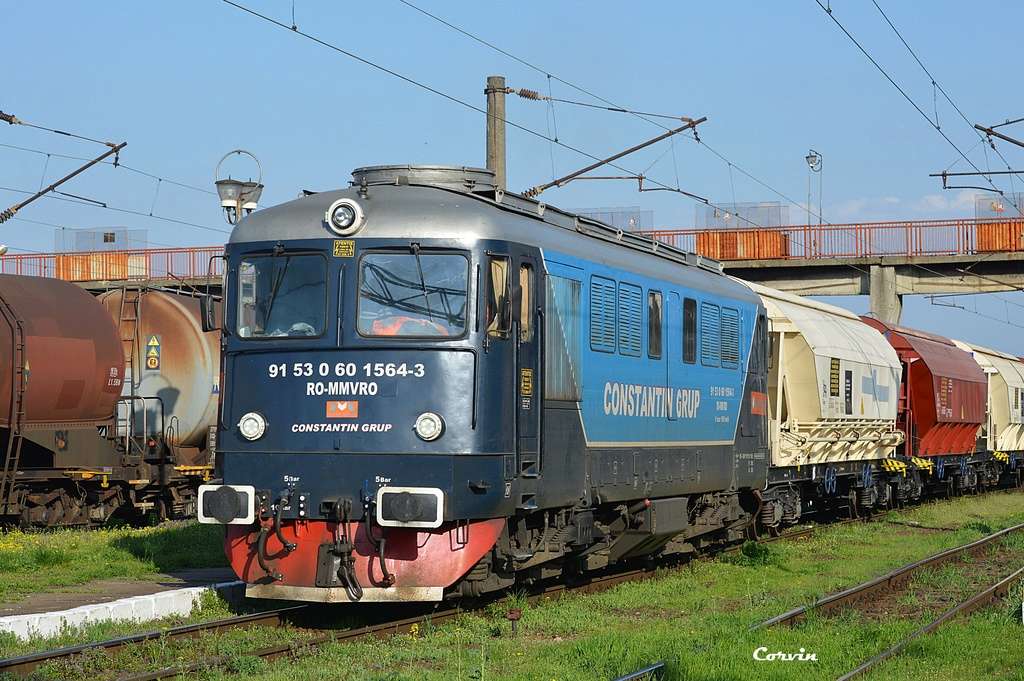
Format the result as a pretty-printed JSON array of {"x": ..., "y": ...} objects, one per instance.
[{"x": 185, "y": 82}]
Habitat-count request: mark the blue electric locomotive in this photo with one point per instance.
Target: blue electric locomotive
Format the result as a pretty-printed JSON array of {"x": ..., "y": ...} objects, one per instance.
[{"x": 432, "y": 387}]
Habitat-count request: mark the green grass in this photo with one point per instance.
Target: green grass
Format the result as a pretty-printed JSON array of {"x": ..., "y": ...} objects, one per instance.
[
  {"x": 51, "y": 561},
  {"x": 697, "y": 619}
]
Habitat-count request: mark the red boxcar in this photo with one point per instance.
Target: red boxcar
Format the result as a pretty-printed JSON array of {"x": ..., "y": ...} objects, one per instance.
[{"x": 942, "y": 393}]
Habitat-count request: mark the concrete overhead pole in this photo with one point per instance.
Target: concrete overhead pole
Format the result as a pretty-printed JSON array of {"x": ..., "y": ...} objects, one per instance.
[
  {"x": 886, "y": 301},
  {"x": 495, "y": 92}
]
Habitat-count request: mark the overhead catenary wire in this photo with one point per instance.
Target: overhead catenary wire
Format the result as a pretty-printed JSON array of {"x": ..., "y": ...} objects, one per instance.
[
  {"x": 452, "y": 98},
  {"x": 616, "y": 107},
  {"x": 518, "y": 126},
  {"x": 937, "y": 85},
  {"x": 910, "y": 100},
  {"x": 11, "y": 119},
  {"x": 106, "y": 206},
  {"x": 612, "y": 104},
  {"x": 138, "y": 171}
]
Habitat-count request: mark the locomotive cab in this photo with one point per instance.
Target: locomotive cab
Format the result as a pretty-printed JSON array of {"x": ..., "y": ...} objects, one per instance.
[{"x": 362, "y": 347}]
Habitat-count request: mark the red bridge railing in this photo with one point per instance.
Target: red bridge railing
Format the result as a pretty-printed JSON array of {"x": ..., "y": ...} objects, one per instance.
[
  {"x": 865, "y": 239},
  {"x": 791, "y": 242},
  {"x": 141, "y": 264}
]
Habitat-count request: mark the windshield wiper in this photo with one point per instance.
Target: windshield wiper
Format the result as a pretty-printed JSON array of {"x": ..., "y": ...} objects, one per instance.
[
  {"x": 423, "y": 284},
  {"x": 273, "y": 291}
]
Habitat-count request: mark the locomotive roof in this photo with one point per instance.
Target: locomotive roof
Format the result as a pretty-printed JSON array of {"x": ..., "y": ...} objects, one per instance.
[{"x": 430, "y": 202}]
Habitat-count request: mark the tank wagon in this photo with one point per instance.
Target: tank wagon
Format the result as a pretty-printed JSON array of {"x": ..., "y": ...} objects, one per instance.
[
  {"x": 440, "y": 388},
  {"x": 84, "y": 435},
  {"x": 176, "y": 366},
  {"x": 833, "y": 391}
]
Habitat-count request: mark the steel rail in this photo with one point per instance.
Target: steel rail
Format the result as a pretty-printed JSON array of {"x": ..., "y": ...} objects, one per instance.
[
  {"x": 993, "y": 593},
  {"x": 654, "y": 671},
  {"x": 384, "y": 629},
  {"x": 889, "y": 581},
  {"x": 23, "y": 665}
]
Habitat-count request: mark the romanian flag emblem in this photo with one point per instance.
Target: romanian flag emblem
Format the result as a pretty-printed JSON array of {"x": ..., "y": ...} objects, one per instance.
[{"x": 343, "y": 409}]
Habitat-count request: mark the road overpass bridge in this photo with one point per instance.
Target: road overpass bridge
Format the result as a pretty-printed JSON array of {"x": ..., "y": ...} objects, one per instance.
[{"x": 884, "y": 260}]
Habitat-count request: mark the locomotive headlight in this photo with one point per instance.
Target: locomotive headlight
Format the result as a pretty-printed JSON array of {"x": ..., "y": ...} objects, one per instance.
[
  {"x": 344, "y": 217},
  {"x": 429, "y": 426},
  {"x": 252, "y": 426}
]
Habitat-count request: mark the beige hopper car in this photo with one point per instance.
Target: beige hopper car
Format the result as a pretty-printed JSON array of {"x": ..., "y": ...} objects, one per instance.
[
  {"x": 1004, "y": 427},
  {"x": 833, "y": 384}
]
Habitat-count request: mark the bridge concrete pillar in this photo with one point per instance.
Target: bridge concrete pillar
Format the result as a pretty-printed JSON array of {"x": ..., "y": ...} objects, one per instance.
[{"x": 886, "y": 302}]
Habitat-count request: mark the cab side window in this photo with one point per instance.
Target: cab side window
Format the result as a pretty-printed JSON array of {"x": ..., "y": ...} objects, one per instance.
[
  {"x": 526, "y": 306},
  {"x": 498, "y": 308}
]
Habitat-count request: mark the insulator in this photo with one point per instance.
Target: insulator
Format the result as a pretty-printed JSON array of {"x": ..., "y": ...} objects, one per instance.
[{"x": 530, "y": 94}]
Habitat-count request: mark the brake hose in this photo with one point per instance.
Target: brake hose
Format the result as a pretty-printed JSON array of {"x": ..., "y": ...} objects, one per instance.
[
  {"x": 261, "y": 550},
  {"x": 346, "y": 570},
  {"x": 388, "y": 578},
  {"x": 288, "y": 546}
]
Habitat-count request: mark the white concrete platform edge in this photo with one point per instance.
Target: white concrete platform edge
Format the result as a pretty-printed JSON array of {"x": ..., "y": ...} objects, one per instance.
[{"x": 138, "y": 608}]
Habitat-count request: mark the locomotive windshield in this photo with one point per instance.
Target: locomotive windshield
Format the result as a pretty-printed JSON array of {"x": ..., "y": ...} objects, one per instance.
[
  {"x": 282, "y": 296},
  {"x": 413, "y": 294}
]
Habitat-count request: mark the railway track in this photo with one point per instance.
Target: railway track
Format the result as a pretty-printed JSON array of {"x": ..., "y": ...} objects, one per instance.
[
  {"x": 295, "y": 615},
  {"x": 890, "y": 581},
  {"x": 897, "y": 579},
  {"x": 977, "y": 601}
]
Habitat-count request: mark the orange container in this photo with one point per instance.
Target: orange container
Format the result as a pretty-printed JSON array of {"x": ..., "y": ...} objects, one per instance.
[
  {"x": 743, "y": 244},
  {"x": 92, "y": 266},
  {"x": 1000, "y": 236}
]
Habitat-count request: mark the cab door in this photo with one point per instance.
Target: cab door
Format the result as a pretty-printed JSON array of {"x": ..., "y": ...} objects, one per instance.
[{"x": 528, "y": 300}]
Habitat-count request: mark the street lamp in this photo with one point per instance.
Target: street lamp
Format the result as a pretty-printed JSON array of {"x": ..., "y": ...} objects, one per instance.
[
  {"x": 815, "y": 161},
  {"x": 238, "y": 197}
]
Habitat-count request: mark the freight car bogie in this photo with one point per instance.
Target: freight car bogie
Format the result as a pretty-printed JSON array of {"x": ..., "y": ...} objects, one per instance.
[
  {"x": 80, "y": 477},
  {"x": 69, "y": 498}
]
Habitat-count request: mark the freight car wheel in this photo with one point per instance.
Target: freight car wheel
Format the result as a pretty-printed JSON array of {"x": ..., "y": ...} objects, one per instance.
[{"x": 851, "y": 504}]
